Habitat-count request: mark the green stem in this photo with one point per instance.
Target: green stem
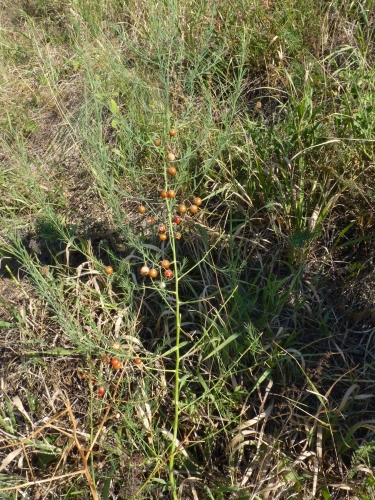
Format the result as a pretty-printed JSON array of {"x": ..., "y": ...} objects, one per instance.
[{"x": 176, "y": 396}]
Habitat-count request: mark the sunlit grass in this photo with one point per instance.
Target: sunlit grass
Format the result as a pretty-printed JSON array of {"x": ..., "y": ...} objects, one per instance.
[{"x": 248, "y": 374}]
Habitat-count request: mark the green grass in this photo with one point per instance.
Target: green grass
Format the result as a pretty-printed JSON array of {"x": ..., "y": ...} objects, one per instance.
[{"x": 256, "y": 378}]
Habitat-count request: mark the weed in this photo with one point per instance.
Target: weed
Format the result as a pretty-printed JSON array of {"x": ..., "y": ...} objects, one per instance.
[{"x": 243, "y": 368}]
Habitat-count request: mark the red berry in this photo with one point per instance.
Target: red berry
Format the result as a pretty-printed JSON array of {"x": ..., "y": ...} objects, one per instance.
[
  {"x": 162, "y": 228},
  {"x": 177, "y": 219},
  {"x": 101, "y": 391},
  {"x": 168, "y": 274}
]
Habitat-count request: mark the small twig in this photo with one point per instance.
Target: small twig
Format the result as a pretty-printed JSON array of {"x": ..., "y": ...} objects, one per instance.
[
  {"x": 34, "y": 483},
  {"x": 33, "y": 434},
  {"x": 17, "y": 283},
  {"x": 83, "y": 457},
  {"x": 105, "y": 415},
  {"x": 28, "y": 462}
]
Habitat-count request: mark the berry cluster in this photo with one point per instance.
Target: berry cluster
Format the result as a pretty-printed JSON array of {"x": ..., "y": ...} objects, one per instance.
[
  {"x": 116, "y": 364},
  {"x": 181, "y": 209},
  {"x": 153, "y": 273}
]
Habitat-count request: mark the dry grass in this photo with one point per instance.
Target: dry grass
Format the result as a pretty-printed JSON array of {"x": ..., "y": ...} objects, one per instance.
[{"x": 262, "y": 345}]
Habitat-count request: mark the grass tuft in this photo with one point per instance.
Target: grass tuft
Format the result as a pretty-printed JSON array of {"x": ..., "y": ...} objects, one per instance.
[{"x": 247, "y": 373}]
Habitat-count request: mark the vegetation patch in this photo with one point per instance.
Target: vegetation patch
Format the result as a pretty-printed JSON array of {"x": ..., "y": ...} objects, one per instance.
[{"x": 186, "y": 253}]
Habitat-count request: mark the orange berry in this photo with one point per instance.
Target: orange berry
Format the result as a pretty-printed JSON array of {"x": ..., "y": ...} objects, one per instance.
[
  {"x": 163, "y": 237},
  {"x": 138, "y": 361},
  {"x": 145, "y": 270},
  {"x": 197, "y": 201},
  {"x": 182, "y": 209},
  {"x": 157, "y": 142},
  {"x": 171, "y": 193},
  {"x": 172, "y": 170},
  {"x": 173, "y": 132},
  {"x": 164, "y": 194},
  {"x": 193, "y": 209},
  {"x": 116, "y": 364},
  {"x": 108, "y": 270},
  {"x": 153, "y": 273},
  {"x": 142, "y": 209},
  {"x": 165, "y": 264}
]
